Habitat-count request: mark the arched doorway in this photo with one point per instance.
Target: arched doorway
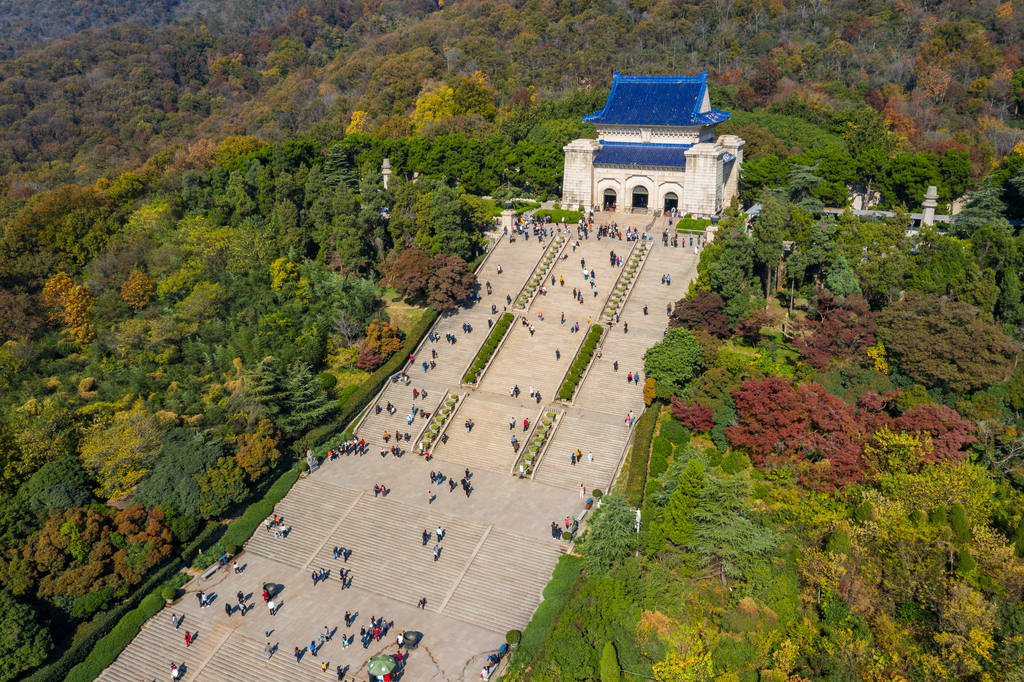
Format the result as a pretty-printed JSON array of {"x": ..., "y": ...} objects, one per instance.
[
  {"x": 671, "y": 201},
  {"x": 609, "y": 199},
  {"x": 639, "y": 197}
]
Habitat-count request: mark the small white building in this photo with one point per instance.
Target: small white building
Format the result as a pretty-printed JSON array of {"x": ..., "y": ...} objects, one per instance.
[{"x": 655, "y": 150}]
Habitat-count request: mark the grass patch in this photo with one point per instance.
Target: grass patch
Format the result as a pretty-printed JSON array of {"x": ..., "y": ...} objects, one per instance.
[{"x": 559, "y": 215}]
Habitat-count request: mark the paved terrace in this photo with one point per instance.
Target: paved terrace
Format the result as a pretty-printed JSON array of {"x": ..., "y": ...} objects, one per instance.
[{"x": 497, "y": 553}]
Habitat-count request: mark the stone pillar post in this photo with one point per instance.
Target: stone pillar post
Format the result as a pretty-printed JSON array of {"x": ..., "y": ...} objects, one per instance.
[
  {"x": 931, "y": 200},
  {"x": 703, "y": 190},
  {"x": 508, "y": 219},
  {"x": 731, "y": 170},
  {"x": 578, "y": 176},
  {"x": 385, "y": 170}
]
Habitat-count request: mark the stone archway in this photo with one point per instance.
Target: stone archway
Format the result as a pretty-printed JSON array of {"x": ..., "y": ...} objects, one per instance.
[
  {"x": 609, "y": 199},
  {"x": 671, "y": 201},
  {"x": 640, "y": 197}
]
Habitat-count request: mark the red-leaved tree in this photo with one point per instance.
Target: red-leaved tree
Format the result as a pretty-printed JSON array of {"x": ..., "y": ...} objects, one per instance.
[
  {"x": 949, "y": 431},
  {"x": 696, "y": 417},
  {"x": 705, "y": 312},
  {"x": 841, "y": 328}
]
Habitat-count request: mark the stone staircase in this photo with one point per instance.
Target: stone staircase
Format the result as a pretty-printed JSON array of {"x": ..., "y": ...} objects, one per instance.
[
  {"x": 488, "y": 446},
  {"x": 530, "y": 360},
  {"x": 158, "y": 645},
  {"x": 681, "y": 264},
  {"x": 586, "y": 431},
  {"x": 607, "y": 390},
  {"x": 281, "y": 667},
  {"x": 496, "y": 593},
  {"x": 373, "y": 427},
  {"x": 388, "y": 556},
  {"x": 311, "y": 509}
]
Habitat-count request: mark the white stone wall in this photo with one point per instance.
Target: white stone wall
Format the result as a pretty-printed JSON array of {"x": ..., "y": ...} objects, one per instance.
[
  {"x": 731, "y": 170},
  {"x": 656, "y": 134},
  {"x": 657, "y": 181}
]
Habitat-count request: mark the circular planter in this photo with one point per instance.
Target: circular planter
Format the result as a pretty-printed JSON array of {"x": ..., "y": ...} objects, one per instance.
[
  {"x": 538, "y": 441},
  {"x": 549, "y": 414}
]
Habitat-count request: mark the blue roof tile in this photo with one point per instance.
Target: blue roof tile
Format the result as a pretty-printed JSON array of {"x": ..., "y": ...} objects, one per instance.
[
  {"x": 657, "y": 101},
  {"x": 643, "y": 155}
]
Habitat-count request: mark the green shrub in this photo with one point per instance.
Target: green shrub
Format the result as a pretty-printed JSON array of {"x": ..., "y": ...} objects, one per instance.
[
  {"x": 661, "y": 448},
  {"x": 231, "y": 549},
  {"x": 513, "y": 637},
  {"x": 88, "y": 604},
  {"x": 958, "y": 522},
  {"x": 734, "y": 462},
  {"x": 328, "y": 381},
  {"x": 168, "y": 593},
  {"x": 470, "y": 377},
  {"x": 676, "y": 433}
]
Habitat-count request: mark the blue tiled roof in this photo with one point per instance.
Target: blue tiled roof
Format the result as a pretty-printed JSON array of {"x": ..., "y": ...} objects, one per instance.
[
  {"x": 644, "y": 155},
  {"x": 657, "y": 101}
]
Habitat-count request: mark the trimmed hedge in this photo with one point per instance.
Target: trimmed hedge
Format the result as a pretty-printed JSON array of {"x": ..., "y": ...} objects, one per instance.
[
  {"x": 676, "y": 433},
  {"x": 579, "y": 364},
  {"x": 636, "y": 478},
  {"x": 365, "y": 392},
  {"x": 498, "y": 332},
  {"x": 111, "y": 646}
]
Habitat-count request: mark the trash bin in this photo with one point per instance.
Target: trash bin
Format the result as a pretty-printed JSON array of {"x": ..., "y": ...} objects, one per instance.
[
  {"x": 271, "y": 588},
  {"x": 412, "y": 639}
]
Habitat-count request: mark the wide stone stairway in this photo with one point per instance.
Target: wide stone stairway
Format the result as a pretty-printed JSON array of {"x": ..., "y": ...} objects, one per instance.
[
  {"x": 497, "y": 553},
  {"x": 488, "y": 446}
]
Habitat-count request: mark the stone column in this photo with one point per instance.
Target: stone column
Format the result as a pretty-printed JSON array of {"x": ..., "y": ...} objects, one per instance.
[
  {"x": 508, "y": 219},
  {"x": 931, "y": 200},
  {"x": 385, "y": 170},
  {"x": 578, "y": 176}
]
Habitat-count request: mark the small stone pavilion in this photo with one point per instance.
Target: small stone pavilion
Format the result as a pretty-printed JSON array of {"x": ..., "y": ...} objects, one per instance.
[{"x": 655, "y": 150}]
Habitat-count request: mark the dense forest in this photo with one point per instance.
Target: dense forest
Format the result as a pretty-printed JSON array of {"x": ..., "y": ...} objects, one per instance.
[{"x": 202, "y": 275}]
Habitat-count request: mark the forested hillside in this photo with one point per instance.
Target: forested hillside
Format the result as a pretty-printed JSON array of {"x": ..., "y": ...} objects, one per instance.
[{"x": 202, "y": 276}]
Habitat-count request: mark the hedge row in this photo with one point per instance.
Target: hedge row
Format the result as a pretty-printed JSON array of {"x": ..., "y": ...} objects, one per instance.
[
  {"x": 91, "y": 633},
  {"x": 559, "y": 215},
  {"x": 490, "y": 345},
  {"x": 579, "y": 364},
  {"x": 636, "y": 477},
  {"x": 361, "y": 397}
]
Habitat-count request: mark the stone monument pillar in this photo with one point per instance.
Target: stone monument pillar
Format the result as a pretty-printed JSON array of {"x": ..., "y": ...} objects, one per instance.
[
  {"x": 385, "y": 170},
  {"x": 931, "y": 200},
  {"x": 703, "y": 191},
  {"x": 578, "y": 177}
]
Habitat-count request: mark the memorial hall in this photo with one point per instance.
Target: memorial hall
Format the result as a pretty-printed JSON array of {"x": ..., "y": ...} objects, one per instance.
[{"x": 655, "y": 150}]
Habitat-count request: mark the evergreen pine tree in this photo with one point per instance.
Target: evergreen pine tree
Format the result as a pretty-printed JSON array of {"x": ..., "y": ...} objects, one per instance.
[
  {"x": 722, "y": 529},
  {"x": 841, "y": 279},
  {"x": 958, "y": 522},
  {"x": 338, "y": 170},
  {"x": 611, "y": 535},
  {"x": 678, "y": 523},
  {"x": 261, "y": 394},
  {"x": 984, "y": 207},
  {"x": 306, "y": 403},
  {"x": 1010, "y": 308},
  {"x": 803, "y": 180},
  {"x": 767, "y": 236},
  {"x": 610, "y": 671}
]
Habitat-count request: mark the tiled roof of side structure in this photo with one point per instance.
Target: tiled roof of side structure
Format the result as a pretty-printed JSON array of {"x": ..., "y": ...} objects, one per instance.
[
  {"x": 657, "y": 101},
  {"x": 643, "y": 155}
]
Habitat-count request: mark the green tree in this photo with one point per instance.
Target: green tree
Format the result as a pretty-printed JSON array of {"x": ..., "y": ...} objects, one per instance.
[
  {"x": 984, "y": 207},
  {"x": 841, "y": 279},
  {"x": 24, "y": 642},
  {"x": 611, "y": 535},
  {"x": 610, "y": 671},
  {"x": 306, "y": 402},
  {"x": 723, "y": 530},
  {"x": 678, "y": 513},
  {"x": 220, "y": 487},
  {"x": 674, "y": 360},
  {"x": 1009, "y": 306},
  {"x": 766, "y": 236},
  {"x": 944, "y": 343}
]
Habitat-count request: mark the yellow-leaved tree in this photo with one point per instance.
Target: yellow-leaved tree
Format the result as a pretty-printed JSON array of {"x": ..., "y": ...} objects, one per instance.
[
  {"x": 361, "y": 123},
  {"x": 121, "y": 450},
  {"x": 137, "y": 290},
  {"x": 70, "y": 305},
  {"x": 433, "y": 105}
]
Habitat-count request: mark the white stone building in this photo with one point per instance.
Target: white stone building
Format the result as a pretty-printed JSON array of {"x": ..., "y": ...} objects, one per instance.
[{"x": 655, "y": 150}]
